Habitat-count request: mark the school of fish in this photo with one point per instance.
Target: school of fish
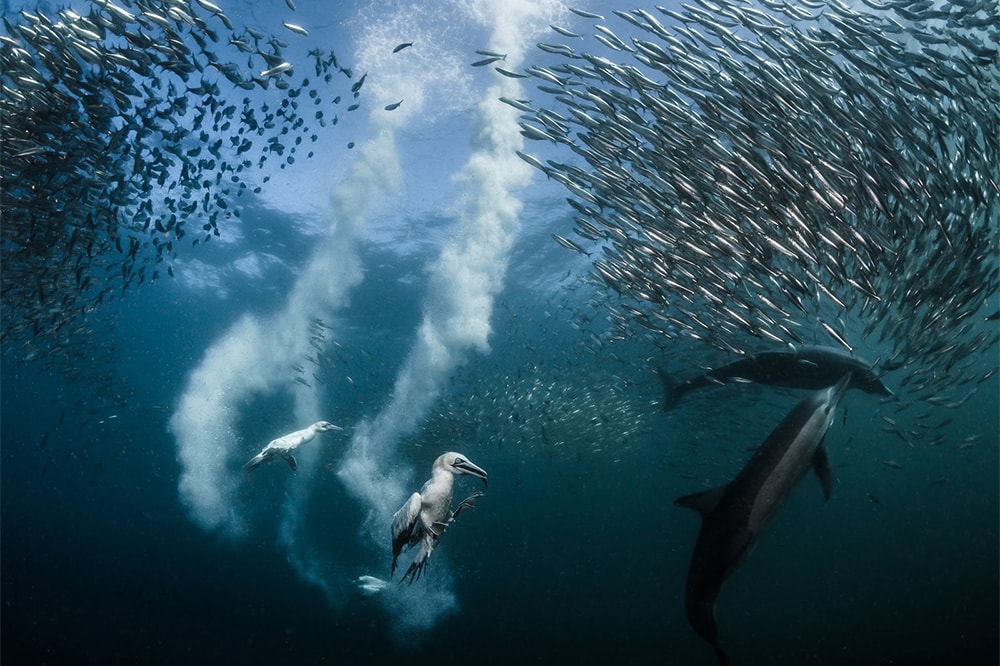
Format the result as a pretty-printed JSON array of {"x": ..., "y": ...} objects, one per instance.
[
  {"x": 127, "y": 128},
  {"x": 768, "y": 173}
]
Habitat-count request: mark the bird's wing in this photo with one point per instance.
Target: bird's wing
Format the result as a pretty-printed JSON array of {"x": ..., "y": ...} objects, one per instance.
[
  {"x": 404, "y": 522},
  {"x": 423, "y": 553},
  {"x": 258, "y": 460}
]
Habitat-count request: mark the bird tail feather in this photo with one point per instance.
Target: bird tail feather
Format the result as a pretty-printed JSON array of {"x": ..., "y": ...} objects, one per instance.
[{"x": 255, "y": 462}]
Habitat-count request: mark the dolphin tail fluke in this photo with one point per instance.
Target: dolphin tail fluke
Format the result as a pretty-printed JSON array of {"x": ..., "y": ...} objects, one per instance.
[
  {"x": 720, "y": 654},
  {"x": 671, "y": 389},
  {"x": 701, "y": 615}
]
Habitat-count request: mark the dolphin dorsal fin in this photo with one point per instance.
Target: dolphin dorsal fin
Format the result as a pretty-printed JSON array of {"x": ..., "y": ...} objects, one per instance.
[
  {"x": 703, "y": 502},
  {"x": 821, "y": 463}
]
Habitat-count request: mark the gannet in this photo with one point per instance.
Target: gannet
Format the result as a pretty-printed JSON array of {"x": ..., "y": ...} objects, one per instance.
[
  {"x": 734, "y": 515},
  {"x": 370, "y": 585},
  {"x": 426, "y": 514},
  {"x": 284, "y": 445}
]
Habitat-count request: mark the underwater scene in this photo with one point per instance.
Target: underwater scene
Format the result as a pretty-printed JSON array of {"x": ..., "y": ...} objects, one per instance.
[{"x": 499, "y": 331}]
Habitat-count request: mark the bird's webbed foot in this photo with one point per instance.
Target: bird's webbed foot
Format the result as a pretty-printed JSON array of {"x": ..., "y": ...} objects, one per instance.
[{"x": 468, "y": 503}]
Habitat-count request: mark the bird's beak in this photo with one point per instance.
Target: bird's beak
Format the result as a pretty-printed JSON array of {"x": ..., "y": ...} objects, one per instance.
[{"x": 466, "y": 467}]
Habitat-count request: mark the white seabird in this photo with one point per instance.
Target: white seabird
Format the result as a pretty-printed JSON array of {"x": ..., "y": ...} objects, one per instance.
[
  {"x": 426, "y": 514},
  {"x": 370, "y": 585},
  {"x": 284, "y": 445}
]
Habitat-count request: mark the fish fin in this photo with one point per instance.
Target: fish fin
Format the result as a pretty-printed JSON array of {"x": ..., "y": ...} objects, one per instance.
[
  {"x": 290, "y": 460},
  {"x": 703, "y": 502},
  {"x": 671, "y": 389},
  {"x": 821, "y": 463}
]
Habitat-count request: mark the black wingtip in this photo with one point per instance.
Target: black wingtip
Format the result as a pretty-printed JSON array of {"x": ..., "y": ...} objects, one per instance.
[{"x": 413, "y": 573}]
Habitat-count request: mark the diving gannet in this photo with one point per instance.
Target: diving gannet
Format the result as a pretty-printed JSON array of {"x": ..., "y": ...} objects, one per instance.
[
  {"x": 370, "y": 585},
  {"x": 804, "y": 367},
  {"x": 427, "y": 513},
  {"x": 734, "y": 515},
  {"x": 284, "y": 445}
]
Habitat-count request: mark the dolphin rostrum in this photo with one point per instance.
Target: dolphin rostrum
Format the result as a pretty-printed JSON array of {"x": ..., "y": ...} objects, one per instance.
[
  {"x": 427, "y": 513},
  {"x": 734, "y": 515},
  {"x": 804, "y": 367},
  {"x": 283, "y": 446}
]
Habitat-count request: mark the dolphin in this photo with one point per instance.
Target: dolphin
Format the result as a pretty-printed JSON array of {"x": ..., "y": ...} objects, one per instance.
[
  {"x": 283, "y": 446},
  {"x": 804, "y": 367},
  {"x": 427, "y": 513},
  {"x": 734, "y": 515}
]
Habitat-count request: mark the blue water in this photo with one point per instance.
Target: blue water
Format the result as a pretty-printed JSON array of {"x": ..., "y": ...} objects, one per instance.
[{"x": 575, "y": 554}]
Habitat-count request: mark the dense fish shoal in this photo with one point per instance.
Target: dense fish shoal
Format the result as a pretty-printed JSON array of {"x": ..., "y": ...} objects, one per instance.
[
  {"x": 129, "y": 131},
  {"x": 752, "y": 176}
]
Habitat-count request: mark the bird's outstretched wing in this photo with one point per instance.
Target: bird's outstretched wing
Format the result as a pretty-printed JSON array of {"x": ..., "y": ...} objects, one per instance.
[{"x": 406, "y": 527}]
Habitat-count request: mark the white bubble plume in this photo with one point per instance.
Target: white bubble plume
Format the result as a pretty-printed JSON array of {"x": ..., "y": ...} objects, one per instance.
[
  {"x": 464, "y": 281},
  {"x": 253, "y": 357}
]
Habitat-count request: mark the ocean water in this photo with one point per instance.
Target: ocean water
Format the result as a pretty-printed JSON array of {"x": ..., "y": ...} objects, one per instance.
[{"x": 129, "y": 534}]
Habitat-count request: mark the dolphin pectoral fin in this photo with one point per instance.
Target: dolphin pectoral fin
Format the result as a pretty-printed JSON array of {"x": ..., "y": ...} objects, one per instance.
[
  {"x": 821, "y": 463},
  {"x": 290, "y": 460},
  {"x": 703, "y": 502}
]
